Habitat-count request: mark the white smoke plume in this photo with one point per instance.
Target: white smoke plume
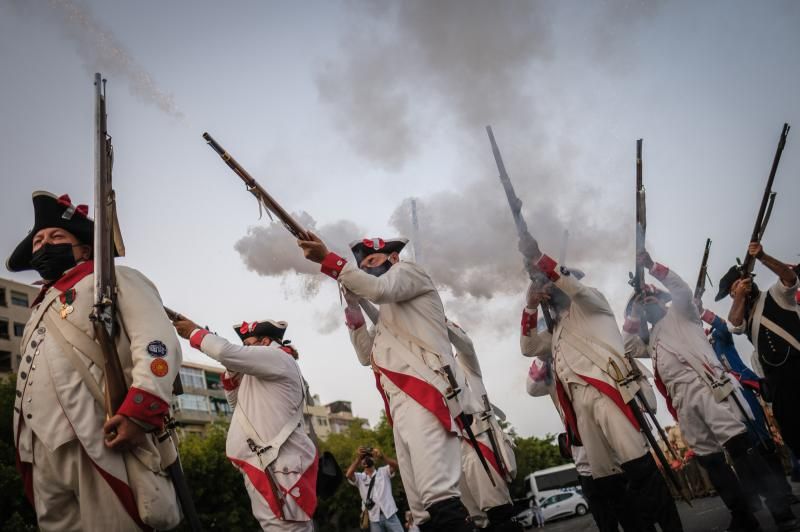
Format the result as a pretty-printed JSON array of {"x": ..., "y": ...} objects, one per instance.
[
  {"x": 479, "y": 63},
  {"x": 98, "y": 48},
  {"x": 269, "y": 250},
  {"x": 408, "y": 67}
]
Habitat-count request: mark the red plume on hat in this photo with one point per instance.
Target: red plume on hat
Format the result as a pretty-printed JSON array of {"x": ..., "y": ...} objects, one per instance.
[
  {"x": 52, "y": 211},
  {"x": 363, "y": 248},
  {"x": 269, "y": 328}
]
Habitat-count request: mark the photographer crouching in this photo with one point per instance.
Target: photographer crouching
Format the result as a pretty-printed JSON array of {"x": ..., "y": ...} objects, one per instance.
[{"x": 379, "y": 511}]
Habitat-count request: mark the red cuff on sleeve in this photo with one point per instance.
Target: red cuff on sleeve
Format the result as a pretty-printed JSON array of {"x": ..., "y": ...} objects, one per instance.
[
  {"x": 332, "y": 265},
  {"x": 197, "y": 338},
  {"x": 230, "y": 382},
  {"x": 529, "y": 321},
  {"x": 659, "y": 271},
  {"x": 354, "y": 319},
  {"x": 548, "y": 266},
  {"x": 145, "y": 407},
  {"x": 631, "y": 326},
  {"x": 708, "y": 316}
]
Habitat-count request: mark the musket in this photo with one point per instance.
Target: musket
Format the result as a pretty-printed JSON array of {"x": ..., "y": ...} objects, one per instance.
[
  {"x": 107, "y": 244},
  {"x": 527, "y": 245},
  {"x": 264, "y": 198},
  {"x": 637, "y": 278},
  {"x": 487, "y": 416},
  {"x": 466, "y": 422},
  {"x": 700, "y": 287},
  {"x": 104, "y": 310},
  {"x": 636, "y": 373},
  {"x": 669, "y": 474},
  {"x": 746, "y": 269},
  {"x": 765, "y": 221}
]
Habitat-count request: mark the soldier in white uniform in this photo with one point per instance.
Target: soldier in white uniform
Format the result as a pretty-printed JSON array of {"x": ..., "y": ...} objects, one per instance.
[
  {"x": 607, "y": 495},
  {"x": 584, "y": 343},
  {"x": 266, "y": 438},
  {"x": 82, "y": 471},
  {"x": 702, "y": 396},
  {"x": 409, "y": 350},
  {"x": 478, "y": 494}
]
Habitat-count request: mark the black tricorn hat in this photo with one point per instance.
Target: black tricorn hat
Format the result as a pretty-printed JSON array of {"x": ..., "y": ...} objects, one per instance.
[
  {"x": 363, "y": 248},
  {"x": 52, "y": 211},
  {"x": 269, "y": 328},
  {"x": 727, "y": 281}
]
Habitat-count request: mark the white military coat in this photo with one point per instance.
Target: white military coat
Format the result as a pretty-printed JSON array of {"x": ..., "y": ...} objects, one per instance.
[
  {"x": 268, "y": 385},
  {"x": 55, "y": 403}
]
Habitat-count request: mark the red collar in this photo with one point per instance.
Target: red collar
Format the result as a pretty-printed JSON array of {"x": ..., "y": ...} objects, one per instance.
[{"x": 68, "y": 280}]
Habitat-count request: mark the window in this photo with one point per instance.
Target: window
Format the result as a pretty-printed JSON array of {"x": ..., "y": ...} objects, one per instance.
[
  {"x": 3, "y": 297},
  {"x": 193, "y": 378},
  {"x": 19, "y": 328},
  {"x": 3, "y": 328},
  {"x": 190, "y": 401},
  {"x": 213, "y": 381},
  {"x": 5, "y": 361},
  {"x": 221, "y": 407},
  {"x": 19, "y": 298}
]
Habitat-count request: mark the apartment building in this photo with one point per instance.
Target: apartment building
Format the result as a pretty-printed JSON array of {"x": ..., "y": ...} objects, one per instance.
[
  {"x": 203, "y": 399},
  {"x": 15, "y": 302}
]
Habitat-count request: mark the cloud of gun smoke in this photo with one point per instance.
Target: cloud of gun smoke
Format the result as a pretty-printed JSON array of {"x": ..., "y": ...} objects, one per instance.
[
  {"x": 409, "y": 67},
  {"x": 270, "y": 251},
  {"x": 98, "y": 48}
]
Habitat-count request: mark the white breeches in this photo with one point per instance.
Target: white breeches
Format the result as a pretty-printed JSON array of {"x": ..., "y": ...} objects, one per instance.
[
  {"x": 608, "y": 437},
  {"x": 70, "y": 495},
  {"x": 428, "y": 455},
  {"x": 268, "y": 520},
  {"x": 705, "y": 424}
]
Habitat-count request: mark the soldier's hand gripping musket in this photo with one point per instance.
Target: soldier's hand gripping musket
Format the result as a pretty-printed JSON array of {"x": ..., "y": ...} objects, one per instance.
[
  {"x": 765, "y": 208},
  {"x": 108, "y": 244},
  {"x": 527, "y": 245}
]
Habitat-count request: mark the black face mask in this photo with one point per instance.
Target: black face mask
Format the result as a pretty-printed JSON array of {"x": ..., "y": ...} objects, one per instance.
[
  {"x": 377, "y": 271},
  {"x": 52, "y": 260}
]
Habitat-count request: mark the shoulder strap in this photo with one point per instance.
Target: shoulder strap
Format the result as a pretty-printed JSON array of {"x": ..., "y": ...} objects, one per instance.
[
  {"x": 36, "y": 317},
  {"x": 430, "y": 375},
  {"x": 271, "y": 448},
  {"x": 372, "y": 483},
  {"x": 780, "y": 331},
  {"x": 68, "y": 350},
  {"x": 80, "y": 340}
]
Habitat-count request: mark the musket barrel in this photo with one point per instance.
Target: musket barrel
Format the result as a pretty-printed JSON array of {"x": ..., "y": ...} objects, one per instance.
[
  {"x": 257, "y": 190},
  {"x": 757, "y": 233}
]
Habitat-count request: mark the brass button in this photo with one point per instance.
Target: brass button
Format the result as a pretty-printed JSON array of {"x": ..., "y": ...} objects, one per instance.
[
  {"x": 29, "y": 416},
  {"x": 28, "y": 358},
  {"x": 23, "y": 375},
  {"x": 41, "y": 330},
  {"x": 34, "y": 343}
]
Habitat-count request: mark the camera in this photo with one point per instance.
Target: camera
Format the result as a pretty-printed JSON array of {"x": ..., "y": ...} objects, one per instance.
[
  {"x": 367, "y": 451},
  {"x": 369, "y": 504}
]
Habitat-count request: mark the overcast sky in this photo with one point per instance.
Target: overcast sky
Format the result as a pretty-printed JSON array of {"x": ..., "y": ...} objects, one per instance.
[{"x": 344, "y": 110}]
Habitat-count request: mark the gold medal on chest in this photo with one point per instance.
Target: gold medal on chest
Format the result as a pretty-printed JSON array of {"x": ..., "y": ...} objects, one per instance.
[{"x": 67, "y": 298}]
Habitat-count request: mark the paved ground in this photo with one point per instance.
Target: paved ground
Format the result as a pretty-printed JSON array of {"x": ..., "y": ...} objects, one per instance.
[{"x": 705, "y": 515}]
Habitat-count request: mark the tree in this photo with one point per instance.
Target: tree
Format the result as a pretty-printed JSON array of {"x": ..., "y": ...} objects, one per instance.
[
  {"x": 17, "y": 514},
  {"x": 532, "y": 454},
  {"x": 217, "y": 486}
]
